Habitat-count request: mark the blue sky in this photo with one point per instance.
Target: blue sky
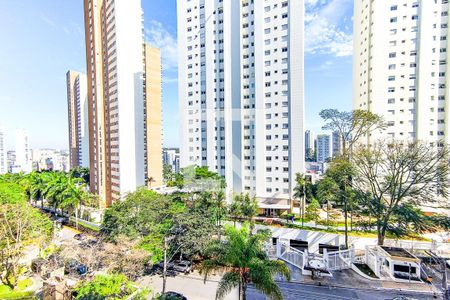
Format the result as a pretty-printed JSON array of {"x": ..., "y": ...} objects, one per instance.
[{"x": 43, "y": 39}]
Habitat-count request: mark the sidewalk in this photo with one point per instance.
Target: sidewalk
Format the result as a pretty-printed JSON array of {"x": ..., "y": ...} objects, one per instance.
[{"x": 350, "y": 279}]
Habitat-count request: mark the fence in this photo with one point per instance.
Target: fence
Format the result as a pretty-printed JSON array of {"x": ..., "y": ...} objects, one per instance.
[
  {"x": 338, "y": 260},
  {"x": 290, "y": 255},
  {"x": 438, "y": 248}
]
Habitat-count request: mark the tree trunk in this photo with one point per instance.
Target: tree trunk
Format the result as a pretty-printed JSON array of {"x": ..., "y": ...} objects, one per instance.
[
  {"x": 351, "y": 218},
  {"x": 240, "y": 290},
  {"x": 345, "y": 221},
  {"x": 76, "y": 217},
  {"x": 244, "y": 290},
  {"x": 328, "y": 212}
]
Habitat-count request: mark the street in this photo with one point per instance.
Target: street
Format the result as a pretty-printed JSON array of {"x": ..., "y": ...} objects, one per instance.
[
  {"x": 299, "y": 291},
  {"x": 193, "y": 288}
]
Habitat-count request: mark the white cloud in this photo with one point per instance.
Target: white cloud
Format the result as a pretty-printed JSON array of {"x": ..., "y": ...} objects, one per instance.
[
  {"x": 160, "y": 37},
  {"x": 327, "y": 29}
]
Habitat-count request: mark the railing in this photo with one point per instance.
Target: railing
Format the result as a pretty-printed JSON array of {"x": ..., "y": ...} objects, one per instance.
[
  {"x": 411, "y": 245},
  {"x": 339, "y": 260},
  {"x": 291, "y": 255}
]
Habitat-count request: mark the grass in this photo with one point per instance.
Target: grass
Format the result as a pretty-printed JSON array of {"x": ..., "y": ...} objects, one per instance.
[
  {"x": 24, "y": 284},
  {"x": 7, "y": 293}
]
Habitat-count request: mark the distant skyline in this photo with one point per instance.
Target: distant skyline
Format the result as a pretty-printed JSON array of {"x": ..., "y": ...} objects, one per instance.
[{"x": 46, "y": 39}]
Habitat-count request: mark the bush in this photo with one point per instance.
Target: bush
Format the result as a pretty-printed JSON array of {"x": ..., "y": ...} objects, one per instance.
[
  {"x": 24, "y": 284},
  {"x": 114, "y": 287},
  {"x": 312, "y": 211}
]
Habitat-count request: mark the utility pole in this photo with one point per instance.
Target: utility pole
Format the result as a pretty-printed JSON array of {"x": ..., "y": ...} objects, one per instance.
[
  {"x": 166, "y": 240},
  {"x": 164, "y": 266}
]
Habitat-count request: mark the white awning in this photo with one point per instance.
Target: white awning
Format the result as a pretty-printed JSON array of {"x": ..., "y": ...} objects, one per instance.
[{"x": 274, "y": 206}]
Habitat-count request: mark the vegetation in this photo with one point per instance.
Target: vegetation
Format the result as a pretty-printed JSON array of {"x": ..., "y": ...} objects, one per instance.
[
  {"x": 392, "y": 174},
  {"x": 243, "y": 259},
  {"x": 114, "y": 287},
  {"x": 243, "y": 206},
  {"x": 312, "y": 211},
  {"x": 20, "y": 225},
  {"x": 351, "y": 126}
]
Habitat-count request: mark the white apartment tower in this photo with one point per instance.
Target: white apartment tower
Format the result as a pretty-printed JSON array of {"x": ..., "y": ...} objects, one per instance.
[
  {"x": 323, "y": 147},
  {"x": 400, "y": 66},
  {"x": 309, "y": 140},
  {"x": 23, "y": 159},
  {"x": 241, "y": 92},
  {"x": 3, "y": 165}
]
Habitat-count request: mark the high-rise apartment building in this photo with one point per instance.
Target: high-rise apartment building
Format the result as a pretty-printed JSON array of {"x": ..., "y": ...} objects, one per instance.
[
  {"x": 3, "y": 165},
  {"x": 23, "y": 159},
  {"x": 153, "y": 117},
  {"x": 171, "y": 157},
  {"x": 400, "y": 67},
  {"x": 119, "y": 97},
  {"x": 310, "y": 145},
  {"x": 336, "y": 143},
  {"x": 323, "y": 147},
  {"x": 241, "y": 92},
  {"x": 77, "y": 103}
]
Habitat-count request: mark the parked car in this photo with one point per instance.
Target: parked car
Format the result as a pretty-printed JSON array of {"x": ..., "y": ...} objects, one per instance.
[
  {"x": 79, "y": 237},
  {"x": 168, "y": 267},
  {"x": 173, "y": 296},
  {"x": 183, "y": 266},
  {"x": 75, "y": 267}
]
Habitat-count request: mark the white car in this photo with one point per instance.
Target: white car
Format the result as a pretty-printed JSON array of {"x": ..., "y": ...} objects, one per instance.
[{"x": 183, "y": 266}]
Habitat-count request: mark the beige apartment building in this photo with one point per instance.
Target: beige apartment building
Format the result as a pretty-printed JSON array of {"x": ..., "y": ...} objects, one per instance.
[
  {"x": 78, "y": 122},
  {"x": 124, "y": 94}
]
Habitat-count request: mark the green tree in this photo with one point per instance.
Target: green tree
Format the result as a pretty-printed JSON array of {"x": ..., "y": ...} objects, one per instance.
[
  {"x": 243, "y": 259},
  {"x": 312, "y": 210},
  {"x": 168, "y": 174},
  {"x": 192, "y": 232},
  {"x": 139, "y": 214},
  {"x": 341, "y": 171},
  {"x": 20, "y": 225},
  {"x": 53, "y": 192},
  {"x": 11, "y": 193},
  {"x": 72, "y": 196},
  {"x": 234, "y": 209},
  {"x": 397, "y": 172},
  {"x": 351, "y": 126},
  {"x": 327, "y": 192},
  {"x": 302, "y": 185},
  {"x": 249, "y": 209},
  {"x": 80, "y": 172}
]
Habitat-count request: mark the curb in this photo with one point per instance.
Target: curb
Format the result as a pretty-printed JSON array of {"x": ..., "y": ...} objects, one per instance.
[{"x": 364, "y": 289}]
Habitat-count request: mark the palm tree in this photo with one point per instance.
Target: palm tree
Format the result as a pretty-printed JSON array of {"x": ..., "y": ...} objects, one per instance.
[
  {"x": 300, "y": 192},
  {"x": 220, "y": 209},
  {"x": 249, "y": 209},
  {"x": 73, "y": 195},
  {"x": 234, "y": 209},
  {"x": 150, "y": 180},
  {"x": 243, "y": 259},
  {"x": 54, "y": 190}
]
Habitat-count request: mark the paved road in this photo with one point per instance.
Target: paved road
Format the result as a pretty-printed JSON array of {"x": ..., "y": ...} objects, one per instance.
[
  {"x": 300, "y": 291},
  {"x": 194, "y": 289}
]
